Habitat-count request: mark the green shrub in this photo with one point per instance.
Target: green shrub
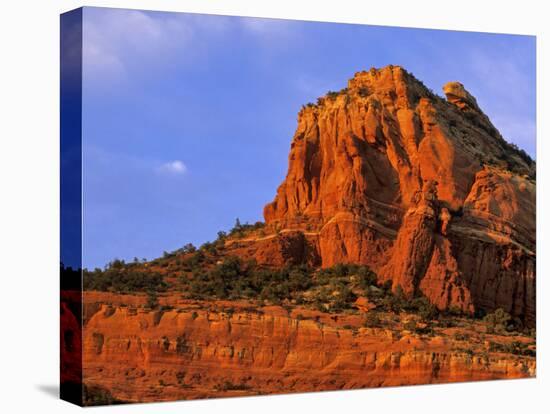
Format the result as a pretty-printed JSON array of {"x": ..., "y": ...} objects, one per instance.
[
  {"x": 422, "y": 307},
  {"x": 515, "y": 347},
  {"x": 209, "y": 247},
  {"x": 195, "y": 260},
  {"x": 394, "y": 302},
  {"x": 152, "y": 300},
  {"x": 239, "y": 230},
  {"x": 367, "y": 277},
  {"x": 234, "y": 279},
  {"x": 372, "y": 320},
  {"x": 459, "y": 336},
  {"x": 498, "y": 321},
  {"x": 229, "y": 386},
  {"x": 189, "y": 248},
  {"x": 344, "y": 299},
  {"x": 410, "y": 325},
  {"x": 119, "y": 277}
]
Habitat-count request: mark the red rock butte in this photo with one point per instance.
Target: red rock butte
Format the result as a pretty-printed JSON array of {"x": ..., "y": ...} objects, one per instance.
[{"x": 424, "y": 190}]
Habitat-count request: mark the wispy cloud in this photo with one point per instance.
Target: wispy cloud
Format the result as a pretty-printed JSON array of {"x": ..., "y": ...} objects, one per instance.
[
  {"x": 175, "y": 167},
  {"x": 118, "y": 41},
  {"x": 128, "y": 164},
  {"x": 267, "y": 27},
  {"x": 273, "y": 32}
]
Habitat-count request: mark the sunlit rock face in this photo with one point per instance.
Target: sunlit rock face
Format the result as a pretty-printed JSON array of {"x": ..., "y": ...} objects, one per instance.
[
  {"x": 214, "y": 349},
  {"x": 423, "y": 189}
]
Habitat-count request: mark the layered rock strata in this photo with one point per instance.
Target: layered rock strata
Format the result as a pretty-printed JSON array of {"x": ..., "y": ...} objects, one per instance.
[
  {"x": 209, "y": 350},
  {"x": 424, "y": 190}
]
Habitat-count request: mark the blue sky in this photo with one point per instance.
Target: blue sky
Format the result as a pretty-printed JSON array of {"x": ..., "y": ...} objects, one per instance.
[{"x": 187, "y": 119}]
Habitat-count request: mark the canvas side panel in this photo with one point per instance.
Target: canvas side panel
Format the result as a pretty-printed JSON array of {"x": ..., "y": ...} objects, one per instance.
[{"x": 71, "y": 207}]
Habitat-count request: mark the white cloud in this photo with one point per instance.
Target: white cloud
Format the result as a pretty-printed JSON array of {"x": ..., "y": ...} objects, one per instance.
[
  {"x": 275, "y": 32},
  {"x": 175, "y": 167},
  {"x": 116, "y": 41}
]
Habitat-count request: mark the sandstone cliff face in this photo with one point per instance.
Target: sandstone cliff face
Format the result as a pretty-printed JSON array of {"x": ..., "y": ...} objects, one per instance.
[
  {"x": 424, "y": 190},
  {"x": 210, "y": 349},
  {"x": 289, "y": 247}
]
